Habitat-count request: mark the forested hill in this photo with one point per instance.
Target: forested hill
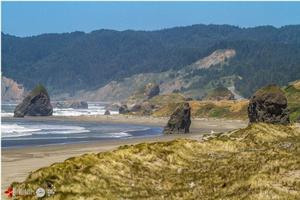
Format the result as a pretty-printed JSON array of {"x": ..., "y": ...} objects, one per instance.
[{"x": 85, "y": 61}]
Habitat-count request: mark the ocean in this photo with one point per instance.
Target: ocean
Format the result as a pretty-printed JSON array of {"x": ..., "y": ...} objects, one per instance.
[{"x": 22, "y": 132}]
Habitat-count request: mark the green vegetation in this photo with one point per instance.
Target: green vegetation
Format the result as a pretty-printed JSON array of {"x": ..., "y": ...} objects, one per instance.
[
  {"x": 259, "y": 162},
  {"x": 219, "y": 93},
  {"x": 292, "y": 93},
  {"x": 73, "y": 61},
  {"x": 39, "y": 89}
]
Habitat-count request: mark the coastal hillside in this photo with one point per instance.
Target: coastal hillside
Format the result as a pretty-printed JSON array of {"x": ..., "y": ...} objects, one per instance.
[
  {"x": 258, "y": 162},
  {"x": 183, "y": 80},
  {"x": 11, "y": 90},
  {"x": 71, "y": 62}
]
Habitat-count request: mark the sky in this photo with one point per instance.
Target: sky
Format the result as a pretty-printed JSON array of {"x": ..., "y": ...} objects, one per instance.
[{"x": 33, "y": 18}]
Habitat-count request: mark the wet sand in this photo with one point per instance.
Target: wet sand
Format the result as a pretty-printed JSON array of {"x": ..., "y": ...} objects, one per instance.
[{"x": 17, "y": 163}]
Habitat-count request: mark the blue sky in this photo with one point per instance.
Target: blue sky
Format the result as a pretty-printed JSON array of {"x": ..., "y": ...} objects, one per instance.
[{"x": 32, "y": 18}]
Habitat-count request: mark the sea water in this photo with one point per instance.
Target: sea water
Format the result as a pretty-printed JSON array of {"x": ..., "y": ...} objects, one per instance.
[{"x": 20, "y": 132}]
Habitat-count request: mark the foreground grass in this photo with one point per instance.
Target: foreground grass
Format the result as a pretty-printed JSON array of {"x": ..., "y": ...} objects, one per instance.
[{"x": 259, "y": 162}]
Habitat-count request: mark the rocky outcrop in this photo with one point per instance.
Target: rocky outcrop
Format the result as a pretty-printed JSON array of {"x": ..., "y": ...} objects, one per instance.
[
  {"x": 180, "y": 120},
  {"x": 151, "y": 90},
  {"x": 220, "y": 93},
  {"x": 71, "y": 104},
  {"x": 123, "y": 109},
  {"x": 268, "y": 104},
  {"x": 11, "y": 90},
  {"x": 37, "y": 103}
]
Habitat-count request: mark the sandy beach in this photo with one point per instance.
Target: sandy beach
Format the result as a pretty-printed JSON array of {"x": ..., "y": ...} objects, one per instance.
[{"x": 17, "y": 163}]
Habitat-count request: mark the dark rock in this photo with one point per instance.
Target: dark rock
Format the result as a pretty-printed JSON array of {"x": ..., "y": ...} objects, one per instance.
[
  {"x": 136, "y": 108},
  {"x": 151, "y": 90},
  {"x": 107, "y": 112},
  {"x": 123, "y": 109},
  {"x": 180, "y": 120},
  {"x": 269, "y": 105},
  {"x": 37, "y": 103}
]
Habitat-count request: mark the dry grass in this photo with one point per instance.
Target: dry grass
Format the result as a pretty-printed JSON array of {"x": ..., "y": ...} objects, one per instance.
[
  {"x": 259, "y": 162},
  {"x": 214, "y": 109}
]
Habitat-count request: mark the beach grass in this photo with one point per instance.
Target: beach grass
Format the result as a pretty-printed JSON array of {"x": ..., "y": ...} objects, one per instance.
[{"x": 258, "y": 162}]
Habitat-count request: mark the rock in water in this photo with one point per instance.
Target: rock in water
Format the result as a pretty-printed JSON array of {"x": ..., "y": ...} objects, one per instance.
[
  {"x": 107, "y": 112},
  {"x": 180, "y": 120},
  {"x": 37, "y": 103},
  {"x": 269, "y": 105}
]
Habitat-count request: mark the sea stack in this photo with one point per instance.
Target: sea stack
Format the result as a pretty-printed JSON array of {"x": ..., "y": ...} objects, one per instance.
[
  {"x": 269, "y": 105},
  {"x": 180, "y": 120},
  {"x": 37, "y": 103}
]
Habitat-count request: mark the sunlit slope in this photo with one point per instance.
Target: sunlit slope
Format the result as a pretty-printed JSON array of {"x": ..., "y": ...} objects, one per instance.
[
  {"x": 292, "y": 92},
  {"x": 258, "y": 162}
]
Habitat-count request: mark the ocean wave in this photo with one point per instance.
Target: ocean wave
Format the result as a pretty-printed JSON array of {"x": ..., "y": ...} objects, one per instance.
[
  {"x": 5, "y": 114},
  {"x": 92, "y": 110},
  {"x": 15, "y": 130},
  {"x": 118, "y": 134}
]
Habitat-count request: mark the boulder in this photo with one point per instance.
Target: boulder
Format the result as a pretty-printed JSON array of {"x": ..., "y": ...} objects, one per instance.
[
  {"x": 123, "y": 109},
  {"x": 37, "y": 103},
  {"x": 269, "y": 105},
  {"x": 151, "y": 90},
  {"x": 107, "y": 112},
  {"x": 136, "y": 108},
  {"x": 180, "y": 120}
]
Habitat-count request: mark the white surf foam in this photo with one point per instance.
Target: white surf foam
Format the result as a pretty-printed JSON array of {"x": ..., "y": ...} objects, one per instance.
[
  {"x": 5, "y": 114},
  {"x": 94, "y": 109},
  {"x": 15, "y": 130}
]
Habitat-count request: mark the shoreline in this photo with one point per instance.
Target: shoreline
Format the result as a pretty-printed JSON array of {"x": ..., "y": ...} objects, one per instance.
[{"x": 18, "y": 162}]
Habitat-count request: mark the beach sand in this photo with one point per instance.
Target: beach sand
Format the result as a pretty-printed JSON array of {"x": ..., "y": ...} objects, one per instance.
[{"x": 17, "y": 163}]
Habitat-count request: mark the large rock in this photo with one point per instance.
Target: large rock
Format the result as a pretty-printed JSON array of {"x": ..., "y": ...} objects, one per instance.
[
  {"x": 123, "y": 109},
  {"x": 180, "y": 120},
  {"x": 71, "y": 104},
  {"x": 37, "y": 103},
  {"x": 151, "y": 90},
  {"x": 269, "y": 105}
]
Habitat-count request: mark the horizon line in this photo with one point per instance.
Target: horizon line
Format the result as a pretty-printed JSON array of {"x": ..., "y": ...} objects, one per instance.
[{"x": 150, "y": 30}]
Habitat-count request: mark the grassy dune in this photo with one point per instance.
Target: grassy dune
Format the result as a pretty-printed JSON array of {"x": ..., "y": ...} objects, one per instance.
[
  {"x": 259, "y": 162},
  {"x": 214, "y": 109}
]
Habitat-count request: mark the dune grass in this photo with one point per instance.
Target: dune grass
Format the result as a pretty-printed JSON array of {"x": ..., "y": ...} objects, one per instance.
[{"x": 259, "y": 162}]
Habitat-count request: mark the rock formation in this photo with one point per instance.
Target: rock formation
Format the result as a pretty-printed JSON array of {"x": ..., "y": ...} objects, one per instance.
[
  {"x": 37, "y": 103},
  {"x": 123, "y": 109},
  {"x": 269, "y": 105},
  {"x": 180, "y": 120},
  {"x": 107, "y": 112},
  {"x": 71, "y": 104}
]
